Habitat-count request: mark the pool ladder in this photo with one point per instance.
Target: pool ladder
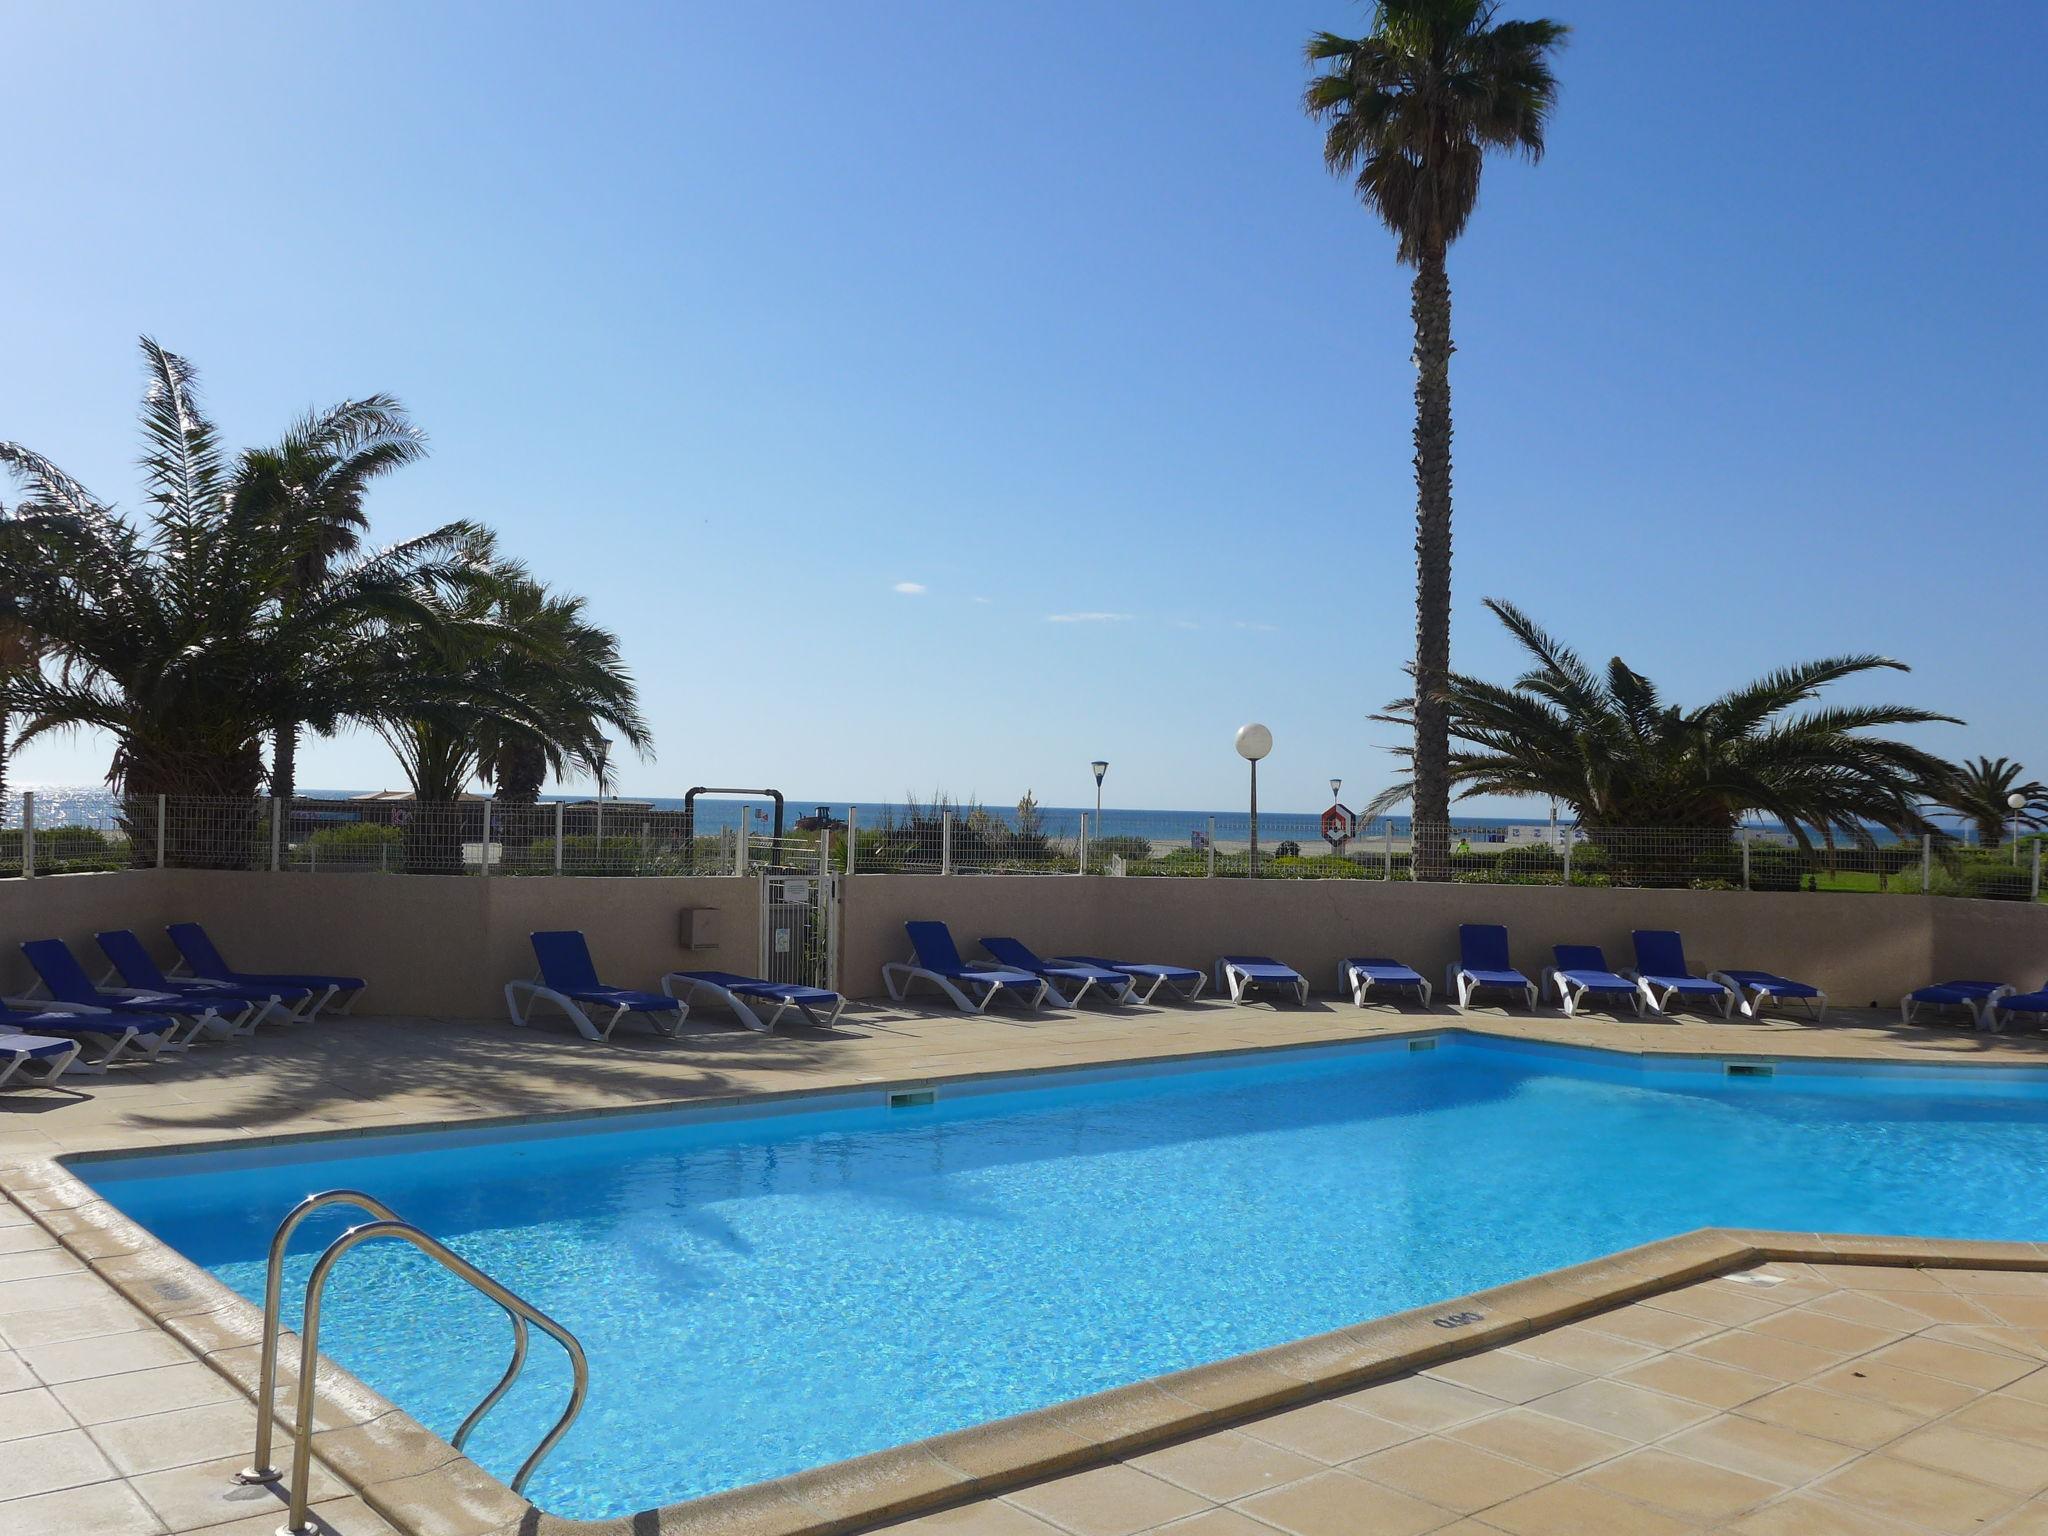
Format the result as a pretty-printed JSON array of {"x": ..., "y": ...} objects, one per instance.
[{"x": 388, "y": 1223}]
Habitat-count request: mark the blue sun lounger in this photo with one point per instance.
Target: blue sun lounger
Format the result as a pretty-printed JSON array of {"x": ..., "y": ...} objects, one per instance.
[
  {"x": 1483, "y": 963},
  {"x": 1244, "y": 974},
  {"x": 1359, "y": 977},
  {"x": 568, "y": 980},
  {"x": 112, "y": 1035},
  {"x": 745, "y": 994},
  {"x": 1183, "y": 981},
  {"x": 2008, "y": 1003},
  {"x": 39, "y": 1060},
  {"x": 67, "y": 982},
  {"x": 1971, "y": 996},
  {"x": 205, "y": 962},
  {"x": 1757, "y": 990},
  {"x": 130, "y": 961},
  {"x": 935, "y": 959},
  {"x": 1581, "y": 972},
  {"x": 1066, "y": 981},
  {"x": 1662, "y": 974}
]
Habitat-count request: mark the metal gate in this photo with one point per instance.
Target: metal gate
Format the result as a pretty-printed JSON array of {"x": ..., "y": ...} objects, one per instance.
[{"x": 800, "y": 928}]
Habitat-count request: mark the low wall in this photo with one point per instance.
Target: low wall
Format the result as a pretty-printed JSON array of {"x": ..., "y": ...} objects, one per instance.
[
  {"x": 446, "y": 945},
  {"x": 1860, "y": 948}
]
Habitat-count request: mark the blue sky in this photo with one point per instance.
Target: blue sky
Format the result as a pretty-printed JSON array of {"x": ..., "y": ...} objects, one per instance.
[{"x": 740, "y": 318}]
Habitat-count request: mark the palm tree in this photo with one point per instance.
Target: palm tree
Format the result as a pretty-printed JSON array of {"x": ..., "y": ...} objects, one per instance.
[
  {"x": 1410, "y": 111},
  {"x": 172, "y": 636},
  {"x": 310, "y": 487},
  {"x": 1629, "y": 763},
  {"x": 532, "y": 685},
  {"x": 1979, "y": 792}
]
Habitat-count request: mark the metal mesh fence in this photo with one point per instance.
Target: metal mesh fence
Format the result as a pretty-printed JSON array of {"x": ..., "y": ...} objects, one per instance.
[{"x": 476, "y": 836}]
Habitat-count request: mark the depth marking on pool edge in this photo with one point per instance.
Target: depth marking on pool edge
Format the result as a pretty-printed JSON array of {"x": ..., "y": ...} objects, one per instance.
[{"x": 1458, "y": 1319}]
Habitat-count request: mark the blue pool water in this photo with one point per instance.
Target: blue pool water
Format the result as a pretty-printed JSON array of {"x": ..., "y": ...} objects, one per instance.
[{"x": 760, "y": 1295}]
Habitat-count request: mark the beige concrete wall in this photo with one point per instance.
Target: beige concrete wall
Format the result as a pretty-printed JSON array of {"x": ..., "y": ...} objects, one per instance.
[
  {"x": 426, "y": 944},
  {"x": 1991, "y": 940},
  {"x": 1860, "y": 948}
]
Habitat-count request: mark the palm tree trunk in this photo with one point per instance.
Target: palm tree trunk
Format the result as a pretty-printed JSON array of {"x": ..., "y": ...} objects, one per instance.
[
  {"x": 1431, "y": 307},
  {"x": 4, "y": 739},
  {"x": 284, "y": 759}
]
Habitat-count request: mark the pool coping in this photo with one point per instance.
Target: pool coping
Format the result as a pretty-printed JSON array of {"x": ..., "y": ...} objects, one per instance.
[{"x": 418, "y": 1482}]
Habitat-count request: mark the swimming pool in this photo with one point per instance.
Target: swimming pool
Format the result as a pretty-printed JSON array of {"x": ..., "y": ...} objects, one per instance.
[{"x": 765, "y": 1292}]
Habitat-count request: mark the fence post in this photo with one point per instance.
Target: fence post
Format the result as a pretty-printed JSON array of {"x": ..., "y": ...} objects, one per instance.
[
  {"x": 852, "y": 842},
  {"x": 1081, "y": 848},
  {"x": 1387, "y": 848},
  {"x": 28, "y": 834},
  {"x": 1926, "y": 863},
  {"x": 824, "y": 854},
  {"x": 1567, "y": 839},
  {"x": 276, "y": 834},
  {"x": 484, "y": 852},
  {"x": 162, "y": 810},
  {"x": 946, "y": 842},
  {"x": 739, "y": 845},
  {"x": 1745, "y": 858},
  {"x": 1212, "y": 848},
  {"x": 561, "y": 812},
  {"x": 2037, "y": 869}
]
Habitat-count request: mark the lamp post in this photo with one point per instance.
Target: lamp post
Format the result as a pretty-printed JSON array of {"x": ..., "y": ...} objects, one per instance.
[
  {"x": 2016, "y": 803},
  {"x": 1253, "y": 743},
  {"x": 1098, "y": 768}
]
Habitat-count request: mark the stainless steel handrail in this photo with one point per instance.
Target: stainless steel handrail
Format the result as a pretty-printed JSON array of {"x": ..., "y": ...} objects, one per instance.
[{"x": 519, "y": 1311}]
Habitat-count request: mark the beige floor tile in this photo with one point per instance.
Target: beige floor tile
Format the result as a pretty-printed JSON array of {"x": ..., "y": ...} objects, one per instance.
[
  {"x": 106, "y": 1313},
  {"x": 159, "y": 1441},
  {"x": 1585, "y": 1349},
  {"x": 1328, "y": 1433},
  {"x": 105, "y": 1355},
  {"x": 31, "y": 1411},
  {"x": 1697, "y": 1380},
  {"x": 1803, "y": 1514},
  {"x": 1952, "y": 1307},
  {"x": 1948, "y": 1447},
  {"x": 1768, "y": 1451},
  {"x": 1108, "y": 1501},
  {"x": 24, "y": 1236},
  {"x": 1716, "y": 1302},
  {"x": 1994, "y": 1282},
  {"x": 2013, "y": 1417},
  {"x": 1616, "y": 1408},
  {"x": 1226, "y": 1466},
  {"x": 46, "y": 1463},
  {"x": 33, "y": 1263},
  {"x": 49, "y": 1293},
  {"x": 1920, "y": 1495},
  {"x": 1907, "y": 1391},
  {"x": 1642, "y": 1324},
  {"x": 1579, "y": 1509},
  {"x": 987, "y": 1517},
  {"x": 1210, "y": 1522},
  {"x": 352, "y": 1517},
  {"x": 136, "y": 1394},
  {"x": 1511, "y": 1377},
  {"x": 1820, "y": 1331},
  {"x": 1338, "y": 1504},
  {"x": 1877, "y": 1277},
  {"x": 1682, "y": 1485},
  {"x": 206, "y": 1493},
  {"x": 1831, "y": 1416},
  {"x": 2021, "y": 1311},
  {"x": 15, "y": 1376},
  {"x": 1979, "y": 1368},
  {"x": 1777, "y": 1358},
  {"x": 96, "y": 1509},
  {"x": 1449, "y": 1472},
  {"x": 1551, "y": 1445},
  {"x": 1421, "y": 1403},
  {"x": 1878, "y": 1311}
]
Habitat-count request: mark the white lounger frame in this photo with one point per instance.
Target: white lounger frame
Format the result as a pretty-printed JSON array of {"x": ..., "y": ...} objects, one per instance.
[
  {"x": 897, "y": 976},
  {"x": 1753, "y": 1007},
  {"x": 1572, "y": 995},
  {"x": 582, "y": 1015},
  {"x": 744, "y": 1007},
  {"x": 1186, "y": 988},
  {"x": 1115, "y": 992},
  {"x": 1976, "y": 1007},
  {"x": 1463, "y": 984},
  {"x": 305, "y": 1013},
  {"x": 1358, "y": 983},
  {"x": 1989, "y": 1017},
  {"x": 1662, "y": 1005},
  {"x": 212, "y": 1023},
  {"x": 1239, "y": 982},
  {"x": 107, "y": 1048},
  {"x": 243, "y": 1023},
  {"x": 37, "y": 1071}
]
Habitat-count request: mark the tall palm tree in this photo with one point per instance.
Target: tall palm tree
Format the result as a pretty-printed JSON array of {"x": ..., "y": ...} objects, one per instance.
[
  {"x": 1627, "y": 762},
  {"x": 1410, "y": 111},
  {"x": 170, "y": 634},
  {"x": 21, "y": 649},
  {"x": 310, "y": 486},
  {"x": 1979, "y": 791}
]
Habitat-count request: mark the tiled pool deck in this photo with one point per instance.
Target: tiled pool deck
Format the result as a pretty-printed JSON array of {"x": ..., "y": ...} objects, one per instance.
[{"x": 1789, "y": 1396}]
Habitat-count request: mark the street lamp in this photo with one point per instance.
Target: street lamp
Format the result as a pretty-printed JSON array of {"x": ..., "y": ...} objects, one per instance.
[
  {"x": 2017, "y": 803},
  {"x": 1253, "y": 743},
  {"x": 1098, "y": 768},
  {"x": 1336, "y": 789}
]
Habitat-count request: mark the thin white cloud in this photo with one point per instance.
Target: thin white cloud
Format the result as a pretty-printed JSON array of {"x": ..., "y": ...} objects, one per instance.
[
  {"x": 909, "y": 588},
  {"x": 1248, "y": 624},
  {"x": 984, "y": 599},
  {"x": 1088, "y": 618}
]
